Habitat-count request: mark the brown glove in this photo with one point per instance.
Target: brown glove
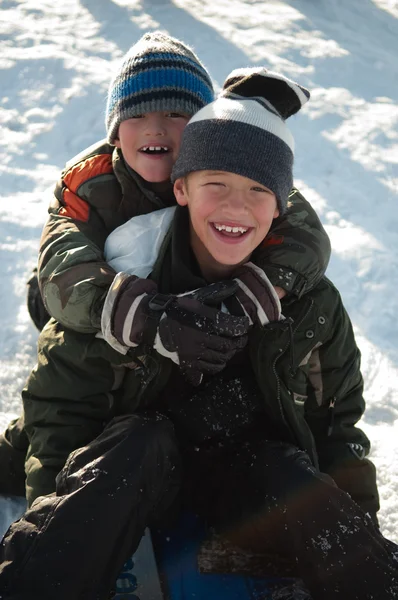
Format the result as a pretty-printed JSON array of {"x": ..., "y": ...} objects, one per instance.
[
  {"x": 257, "y": 295},
  {"x": 184, "y": 328}
]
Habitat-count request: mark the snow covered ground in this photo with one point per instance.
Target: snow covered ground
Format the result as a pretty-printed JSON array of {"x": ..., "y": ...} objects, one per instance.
[{"x": 55, "y": 64}]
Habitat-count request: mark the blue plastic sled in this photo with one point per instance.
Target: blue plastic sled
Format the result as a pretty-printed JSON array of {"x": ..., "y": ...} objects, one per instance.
[{"x": 174, "y": 574}]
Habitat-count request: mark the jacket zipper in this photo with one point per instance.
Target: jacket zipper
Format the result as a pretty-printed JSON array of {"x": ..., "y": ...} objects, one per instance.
[
  {"x": 332, "y": 404},
  {"x": 151, "y": 373},
  {"x": 289, "y": 322},
  {"x": 292, "y": 331}
]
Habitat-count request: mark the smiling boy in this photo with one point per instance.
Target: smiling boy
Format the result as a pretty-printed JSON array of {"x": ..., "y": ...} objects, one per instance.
[
  {"x": 230, "y": 216},
  {"x": 150, "y": 143}
]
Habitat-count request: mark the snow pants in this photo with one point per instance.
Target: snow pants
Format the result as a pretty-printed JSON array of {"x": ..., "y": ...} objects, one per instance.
[{"x": 72, "y": 545}]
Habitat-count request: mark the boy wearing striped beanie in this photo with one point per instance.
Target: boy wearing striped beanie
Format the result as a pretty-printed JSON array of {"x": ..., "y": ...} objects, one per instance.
[
  {"x": 272, "y": 455},
  {"x": 239, "y": 145},
  {"x": 159, "y": 84},
  {"x": 295, "y": 471},
  {"x": 158, "y": 73},
  {"x": 242, "y": 131}
]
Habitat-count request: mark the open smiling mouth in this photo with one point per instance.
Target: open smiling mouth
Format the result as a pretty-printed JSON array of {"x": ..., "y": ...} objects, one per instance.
[
  {"x": 229, "y": 232},
  {"x": 155, "y": 150}
]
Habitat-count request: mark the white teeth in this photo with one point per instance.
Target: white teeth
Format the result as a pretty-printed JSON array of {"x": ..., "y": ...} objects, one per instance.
[
  {"x": 153, "y": 148},
  {"x": 230, "y": 229}
]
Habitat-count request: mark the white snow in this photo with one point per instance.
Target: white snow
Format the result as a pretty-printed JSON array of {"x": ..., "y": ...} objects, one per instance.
[{"x": 56, "y": 61}]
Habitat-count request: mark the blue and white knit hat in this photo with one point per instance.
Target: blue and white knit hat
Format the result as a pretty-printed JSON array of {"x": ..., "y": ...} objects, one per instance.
[
  {"x": 158, "y": 73},
  {"x": 244, "y": 131}
]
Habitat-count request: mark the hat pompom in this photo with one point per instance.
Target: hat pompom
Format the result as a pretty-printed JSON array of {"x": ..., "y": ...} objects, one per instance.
[{"x": 285, "y": 95}]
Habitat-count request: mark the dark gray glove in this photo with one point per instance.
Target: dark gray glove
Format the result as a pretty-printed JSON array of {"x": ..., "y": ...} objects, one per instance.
[{"x": 185, "y": 328}]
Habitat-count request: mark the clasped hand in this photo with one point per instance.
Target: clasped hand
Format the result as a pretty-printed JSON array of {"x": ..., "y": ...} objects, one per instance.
[{"x": 191, "y": 329}]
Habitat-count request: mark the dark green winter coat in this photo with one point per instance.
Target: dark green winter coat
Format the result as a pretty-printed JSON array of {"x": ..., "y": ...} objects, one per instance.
[{"x": 307, "y": 368}]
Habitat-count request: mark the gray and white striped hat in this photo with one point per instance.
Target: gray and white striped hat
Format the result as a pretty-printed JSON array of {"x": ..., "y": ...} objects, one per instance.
[{"x": 244, "y": 131}]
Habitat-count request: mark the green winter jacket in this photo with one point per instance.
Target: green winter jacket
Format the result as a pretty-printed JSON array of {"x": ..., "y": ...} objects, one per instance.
[
  {"x": 307, "y": 367},
  {"x": 97, "y": 192}
]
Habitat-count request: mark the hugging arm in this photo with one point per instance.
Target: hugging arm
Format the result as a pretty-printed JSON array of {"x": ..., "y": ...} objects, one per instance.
[{"x": 296, "y": 252}]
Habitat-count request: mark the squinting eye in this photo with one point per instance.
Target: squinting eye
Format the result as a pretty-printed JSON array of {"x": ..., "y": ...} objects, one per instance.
[
  {"x": 176, "y": 116},
  {"x": 216, "y": 183},
  {"x": 137, "y": 117},
  {"x": 259, "y": 189}
]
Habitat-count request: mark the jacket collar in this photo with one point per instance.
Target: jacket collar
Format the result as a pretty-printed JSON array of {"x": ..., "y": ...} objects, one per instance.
[
  {"x": 131, "y": 182},
  {"x": 176, "y": 270}
]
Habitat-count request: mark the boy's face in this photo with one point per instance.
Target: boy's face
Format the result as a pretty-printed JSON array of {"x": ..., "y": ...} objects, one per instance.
[
  {"x": 160, "y": 131},
  {"x": 230, "y": 215}
]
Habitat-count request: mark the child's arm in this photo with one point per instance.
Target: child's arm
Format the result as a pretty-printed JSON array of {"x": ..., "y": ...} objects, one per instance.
[
  {"x": 292, "y": 260},
  {"x": 72, "y": 273},
  {"x": 296, "y": 252}
]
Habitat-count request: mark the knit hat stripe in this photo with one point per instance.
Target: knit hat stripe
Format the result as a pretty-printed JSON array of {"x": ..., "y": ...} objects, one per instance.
[
  {"x": 153, "y": 59},
  {"x": 145, "y": 66},
  {"x": 265, "y": 159},
  {"x": 157, "y": 79},
  {"x": 263, "y": 101},
  {"x": 164, "y": 100},
  {"x": 248, "y": 111}
]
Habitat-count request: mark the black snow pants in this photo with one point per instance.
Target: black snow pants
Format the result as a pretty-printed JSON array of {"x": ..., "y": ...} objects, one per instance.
[{"x": 73, "y": 544}]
